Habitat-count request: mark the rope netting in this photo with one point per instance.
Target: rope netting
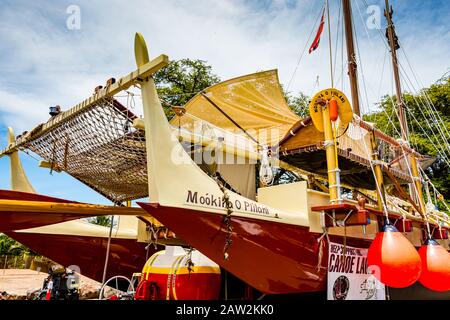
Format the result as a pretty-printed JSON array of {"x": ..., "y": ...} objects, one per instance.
[{"x": 100, "y": 148}]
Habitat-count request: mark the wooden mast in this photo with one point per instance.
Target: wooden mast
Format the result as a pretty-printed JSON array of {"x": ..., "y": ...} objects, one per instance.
[
  {"x": 398, "y": 90},
  {"x": 351, "y": 57},
  {"x": 401, "y": 106},
  {"x": 352, "y": 73}
]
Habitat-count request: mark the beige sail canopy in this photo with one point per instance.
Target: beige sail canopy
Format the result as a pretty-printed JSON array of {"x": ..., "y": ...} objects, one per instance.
[{"x": 255, "y": 102}]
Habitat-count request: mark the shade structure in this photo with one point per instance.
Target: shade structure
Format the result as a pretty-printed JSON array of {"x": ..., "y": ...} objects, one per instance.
[{"x": 255, "y": 102}]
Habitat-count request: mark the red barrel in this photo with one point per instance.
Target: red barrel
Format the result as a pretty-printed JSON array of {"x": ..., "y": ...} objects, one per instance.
[{"x": 176, "y": 274}]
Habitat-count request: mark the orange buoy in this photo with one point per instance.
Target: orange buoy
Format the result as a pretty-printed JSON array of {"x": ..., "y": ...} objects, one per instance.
[
  {"x": 393, "y": 260},
  {"x": 333, "y": 109},
  {"x": 435, "y": 266}
]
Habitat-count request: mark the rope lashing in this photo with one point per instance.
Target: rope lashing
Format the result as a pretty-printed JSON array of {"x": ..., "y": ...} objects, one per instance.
[
  {"x": 189, "y": 263},
  {"x": 265, "y": 170},
  {"x": 226, "y": 219},
  {"x": 321, "y": 240}
]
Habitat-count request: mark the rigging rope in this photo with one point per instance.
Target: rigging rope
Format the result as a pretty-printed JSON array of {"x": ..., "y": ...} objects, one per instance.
[
  {"x": 108, "y": 247},
  {"x": 377, "y": 185},
  {"x": 329, "y": 43},
  {"x": 306, "y": 45},
  {"x": 423, "y": 106},
  {"x": 427, "y": 97},
  {"x": 337, "y": 39},
  {"x": 384, "y": 41}
]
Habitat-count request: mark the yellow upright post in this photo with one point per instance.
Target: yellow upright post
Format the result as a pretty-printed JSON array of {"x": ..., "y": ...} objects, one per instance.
[
  {"x": 381, "y": 199},
  {"x": 417, "y": 182},
  {"x": 319, "y": 110},
  {"x": 19, "y": 180},
  {"x": 332, "y": 165}
]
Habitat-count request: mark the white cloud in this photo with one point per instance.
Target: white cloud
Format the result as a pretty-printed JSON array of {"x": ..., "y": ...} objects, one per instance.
[
  {"x": 23, "y": 110},
  {"x": 45, "y": 64}
]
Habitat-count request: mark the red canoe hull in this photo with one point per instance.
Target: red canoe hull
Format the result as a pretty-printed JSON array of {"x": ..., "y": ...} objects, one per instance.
[
  {"x": 24, "y": 220},
  {"x": 272, "y": 257},
  {"x": 88, "y": 253}
]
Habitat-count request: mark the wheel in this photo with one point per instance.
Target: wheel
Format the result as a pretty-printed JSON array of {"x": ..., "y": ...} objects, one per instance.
[{"x": 117, "y": 288}]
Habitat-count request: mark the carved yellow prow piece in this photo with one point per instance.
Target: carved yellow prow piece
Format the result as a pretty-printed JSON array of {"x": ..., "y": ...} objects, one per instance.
[
  {"x": 19, "y": 180},
  {"x": 140, "y": 50}
]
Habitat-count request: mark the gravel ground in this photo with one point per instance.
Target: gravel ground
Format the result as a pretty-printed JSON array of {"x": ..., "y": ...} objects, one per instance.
[{"x": 17, "y": 282}]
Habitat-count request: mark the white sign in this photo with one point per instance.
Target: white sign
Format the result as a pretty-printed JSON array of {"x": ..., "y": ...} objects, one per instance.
[{"x": 349, "y": 277}]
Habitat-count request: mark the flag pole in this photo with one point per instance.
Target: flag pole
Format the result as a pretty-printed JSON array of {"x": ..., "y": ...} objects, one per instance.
[{"x": 329, "y": 43}]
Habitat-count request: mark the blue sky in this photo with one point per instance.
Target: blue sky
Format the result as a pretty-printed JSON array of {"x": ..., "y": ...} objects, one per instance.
[{"x": 44, "y": 63}]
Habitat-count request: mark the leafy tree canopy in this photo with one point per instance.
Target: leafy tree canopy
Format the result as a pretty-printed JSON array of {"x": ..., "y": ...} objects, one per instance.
[
  {"x": 181, "y": 80},
  {"x": 298, "y": 103},
  {"x": 101, "y": 221},
  {"x": 424, "y": 129},
  {"x": 11, "y": 247}
]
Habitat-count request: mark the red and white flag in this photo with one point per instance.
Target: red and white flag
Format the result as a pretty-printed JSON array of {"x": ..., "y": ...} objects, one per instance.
[{"x": 316, "y": 41}]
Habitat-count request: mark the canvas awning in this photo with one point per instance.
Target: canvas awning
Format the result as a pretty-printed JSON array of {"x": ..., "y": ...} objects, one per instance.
[{"x": 255, "y": 102}]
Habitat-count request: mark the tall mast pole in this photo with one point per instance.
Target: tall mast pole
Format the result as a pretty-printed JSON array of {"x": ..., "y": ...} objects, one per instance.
[
  {"x": 401, "y": 107},
  {"x": 329, "y": 43},
  {"x": 353, "y": 75},
  {"x": 351, "y": 57},
  {"x": 398, "y": 90}
]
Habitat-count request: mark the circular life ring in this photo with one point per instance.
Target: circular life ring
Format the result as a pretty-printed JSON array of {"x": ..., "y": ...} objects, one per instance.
[{"x": 344, "y": 110}]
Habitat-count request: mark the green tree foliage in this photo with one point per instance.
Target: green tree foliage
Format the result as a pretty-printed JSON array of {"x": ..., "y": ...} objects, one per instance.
[
  {"x": 101, "y": 221},
  {"x": 298, "y": 103},
  {"x": 422, "y": 126},
  {"x": 181, "y": 80},
  {"x": 11, "y": 247}
]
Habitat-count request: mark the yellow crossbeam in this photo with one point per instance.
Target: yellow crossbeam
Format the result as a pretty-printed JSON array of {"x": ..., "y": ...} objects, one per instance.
[
  {"x": 68, "y": 208},
  {"x": 191, "y": 137}
]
